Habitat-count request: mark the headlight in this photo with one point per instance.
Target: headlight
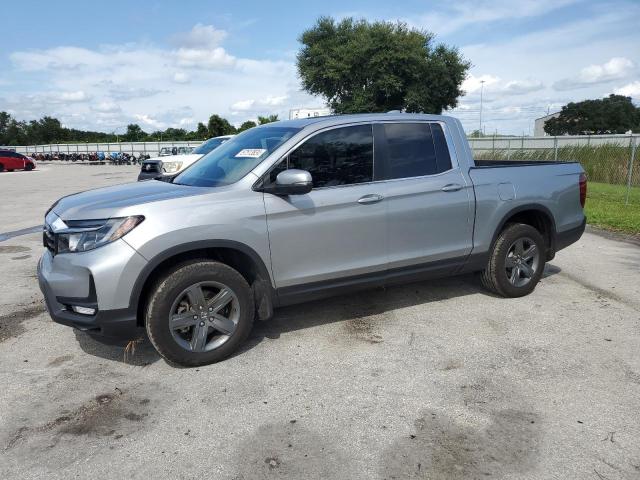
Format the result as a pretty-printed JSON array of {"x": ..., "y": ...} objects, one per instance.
[
  {"x": 171, "y": 167},
  {"x": 87, "y": 235}
]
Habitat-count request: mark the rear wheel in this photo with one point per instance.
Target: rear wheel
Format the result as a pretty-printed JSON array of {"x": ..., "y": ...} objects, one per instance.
[
  {"x": 517, "y": 261},
  {"x": 199, "y": 313},
  {"x": 1, "y": 167}
]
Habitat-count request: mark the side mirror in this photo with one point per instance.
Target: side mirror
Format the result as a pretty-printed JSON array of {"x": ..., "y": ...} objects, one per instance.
[{"x": 292, "y": 182}]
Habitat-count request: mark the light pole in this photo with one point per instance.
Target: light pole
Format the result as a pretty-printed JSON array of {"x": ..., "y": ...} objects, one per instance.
[
  {"x": 115, "y": 130},
  {"x": 481, "y": 91}
]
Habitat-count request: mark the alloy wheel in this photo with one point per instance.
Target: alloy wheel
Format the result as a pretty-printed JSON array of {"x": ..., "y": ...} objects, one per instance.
[
  {"x": 204, "y": 316},
  {"x": 522, "y": 262}
]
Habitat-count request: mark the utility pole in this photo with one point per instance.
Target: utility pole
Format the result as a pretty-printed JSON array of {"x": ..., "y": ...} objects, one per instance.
[{"x": 481, "y": 91}]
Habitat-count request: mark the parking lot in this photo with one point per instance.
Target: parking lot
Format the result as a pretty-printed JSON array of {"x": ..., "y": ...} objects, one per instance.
[{"x": 431, "y": 380}]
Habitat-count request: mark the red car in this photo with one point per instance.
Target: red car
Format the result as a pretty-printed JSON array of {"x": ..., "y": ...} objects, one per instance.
[{"x": 10, "y": 160}]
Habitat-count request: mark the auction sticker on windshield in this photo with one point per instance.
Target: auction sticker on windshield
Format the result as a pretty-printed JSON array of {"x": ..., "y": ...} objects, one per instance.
[{"x": 250, "y": 152}]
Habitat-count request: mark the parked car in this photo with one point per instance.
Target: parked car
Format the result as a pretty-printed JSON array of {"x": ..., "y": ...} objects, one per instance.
[
  {"x": 298, "y": 210},
  {"x": 11, "y": 160},
  {"x": 168, "y": 151},
  {"x": 170, "y": 165}
]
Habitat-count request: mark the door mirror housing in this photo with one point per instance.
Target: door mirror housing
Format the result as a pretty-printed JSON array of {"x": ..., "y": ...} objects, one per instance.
[{"x": 291, "y": 182}]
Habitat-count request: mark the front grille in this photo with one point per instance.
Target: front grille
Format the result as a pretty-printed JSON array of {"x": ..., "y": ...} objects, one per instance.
[
  {"x": 49, "y": 239},
  {"x": 151, "y": 167}
]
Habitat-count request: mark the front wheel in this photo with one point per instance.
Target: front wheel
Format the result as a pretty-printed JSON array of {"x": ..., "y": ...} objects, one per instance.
[
  {"x": 199, "y": 313},
  {"x": 517, "y": 261}
]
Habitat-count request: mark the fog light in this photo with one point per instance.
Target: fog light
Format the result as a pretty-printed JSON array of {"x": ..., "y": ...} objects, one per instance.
[{"x": 83, "y": 310}]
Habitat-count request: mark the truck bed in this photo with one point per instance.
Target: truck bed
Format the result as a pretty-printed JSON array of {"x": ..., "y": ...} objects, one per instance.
[
  {"x": 503, "y": 186},
  {"x": 513, "y": 163}
]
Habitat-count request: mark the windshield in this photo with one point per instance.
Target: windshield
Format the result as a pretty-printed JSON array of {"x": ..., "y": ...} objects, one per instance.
[
  {"x": 209, "y": 145},
  {"x": 235, "y": 158}
]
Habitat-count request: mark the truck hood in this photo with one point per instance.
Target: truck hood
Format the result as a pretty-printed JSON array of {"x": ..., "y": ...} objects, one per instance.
[{"x": 106, "y": 202}]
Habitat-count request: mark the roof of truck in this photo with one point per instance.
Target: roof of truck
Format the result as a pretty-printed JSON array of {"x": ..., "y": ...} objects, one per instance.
[{"x": 357, "y": 117}]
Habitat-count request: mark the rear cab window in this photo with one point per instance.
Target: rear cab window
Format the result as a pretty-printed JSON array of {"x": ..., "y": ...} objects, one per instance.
[{"x": 406, "y": 150}]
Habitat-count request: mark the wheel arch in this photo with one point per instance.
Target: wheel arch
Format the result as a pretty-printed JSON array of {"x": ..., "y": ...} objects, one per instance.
[
  {"x": 235, "y": 254},
  {"x": 536, "y": 215}
]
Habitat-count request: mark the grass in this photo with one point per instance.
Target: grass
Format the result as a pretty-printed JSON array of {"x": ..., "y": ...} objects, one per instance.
[
  {"x": 607, "y": 163},
  {"x": 605, "y": 207}
]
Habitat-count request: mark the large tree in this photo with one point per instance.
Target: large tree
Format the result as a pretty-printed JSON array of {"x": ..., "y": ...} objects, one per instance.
[
  {"x": 613, "y": 114},
  {"x": 201, "y": 132},
  {"x": 246, "y": 126},
  {"x": 219, "y": 126},
  {"x": 134, "y": 133},
  {"x": 376, "y": 67},
  {"x": 267, "y": 119}
]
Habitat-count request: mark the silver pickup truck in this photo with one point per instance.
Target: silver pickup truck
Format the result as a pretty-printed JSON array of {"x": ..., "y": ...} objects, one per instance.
[{"x": 298, "y": 210}]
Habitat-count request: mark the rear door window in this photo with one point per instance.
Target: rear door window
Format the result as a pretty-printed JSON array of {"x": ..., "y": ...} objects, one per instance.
[
  {"x": 443, "y": 159},
  {"x": 413, "y": 150}
]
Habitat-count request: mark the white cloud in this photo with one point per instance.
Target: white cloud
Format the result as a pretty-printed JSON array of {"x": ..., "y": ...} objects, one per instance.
[
  {"x": 55, "y": 58},
  {"x": 204, "y": 58},
  {"x": 614, "y": 69},
  {"x": 258, "y": 106},
  {"x": 77, "y": 96},
  {"x": 473, "y": 84},
  {"x": 243, "y": 105},
  {"x": 149, "y": 121},
  {"x": 461, "y": 14},
  {"x": 200, "y": 37},
  {"x": 181, "y": 77},
  {"x": 629, "y": 90},
  {"x": 152, "y": 85},
  {"x": 106, "y": 107},
  {"x": 494, "y": 86},
  {"x": 520, "y": 87}
]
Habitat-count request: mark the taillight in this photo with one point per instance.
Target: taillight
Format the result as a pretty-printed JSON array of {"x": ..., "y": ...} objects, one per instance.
[{"x": 583, "y": 189}]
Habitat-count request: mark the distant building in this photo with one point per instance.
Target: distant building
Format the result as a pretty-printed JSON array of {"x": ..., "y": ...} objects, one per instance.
[
  {"x": 308, "y": 112},
  {"x": 538, "y": 127}
]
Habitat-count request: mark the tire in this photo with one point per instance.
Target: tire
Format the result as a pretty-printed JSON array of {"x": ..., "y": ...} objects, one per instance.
[
  {"x": 28, "y": 167},
  {"x": 513, "y": 269},
  {"x": 1, "y": 167},
  {"x": 172, "y": 297}
]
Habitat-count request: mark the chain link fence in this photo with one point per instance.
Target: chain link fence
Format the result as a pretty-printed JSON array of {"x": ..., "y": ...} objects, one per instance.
[
  {"x": 132, "y": 148},
  {"x": 607, "y": 159}
]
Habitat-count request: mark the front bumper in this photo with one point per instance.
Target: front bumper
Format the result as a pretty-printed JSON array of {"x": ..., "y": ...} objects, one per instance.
[
  {"x": 103, "y": 282},
  {"x": 148, "y": 175}
]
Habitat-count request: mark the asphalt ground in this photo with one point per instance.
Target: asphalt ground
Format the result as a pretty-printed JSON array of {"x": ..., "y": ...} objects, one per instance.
[{"x": 431, "y": 380}]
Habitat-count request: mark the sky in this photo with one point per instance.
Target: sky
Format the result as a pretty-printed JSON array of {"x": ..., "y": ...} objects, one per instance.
[{"x": 102, "y": 65}]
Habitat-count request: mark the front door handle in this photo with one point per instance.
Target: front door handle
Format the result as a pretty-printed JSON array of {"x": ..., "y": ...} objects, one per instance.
[
  {"x": 452, "y": 187},
  {"x": 371, "y": 198}
]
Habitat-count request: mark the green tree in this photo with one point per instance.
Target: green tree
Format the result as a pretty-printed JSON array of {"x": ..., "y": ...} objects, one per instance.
[
  {"x": 246, "y": 125},
  {"x": 219, "y": 126},
  {"x": 5, "y": 120},
  {"x": 613, "y": 114},
  {"x": 201, "y": 132},
  {"x": 134, "y": 133},
  {"x": 175, "y": 134},
  {"x": 267, "y": 119},
  {"x": 376, "y": 67}
]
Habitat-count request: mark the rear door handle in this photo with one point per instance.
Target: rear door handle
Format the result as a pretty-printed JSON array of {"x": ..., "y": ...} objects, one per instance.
[
  {"x": 452, "y": 187},
  {"x": 371, "y": 198}
]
